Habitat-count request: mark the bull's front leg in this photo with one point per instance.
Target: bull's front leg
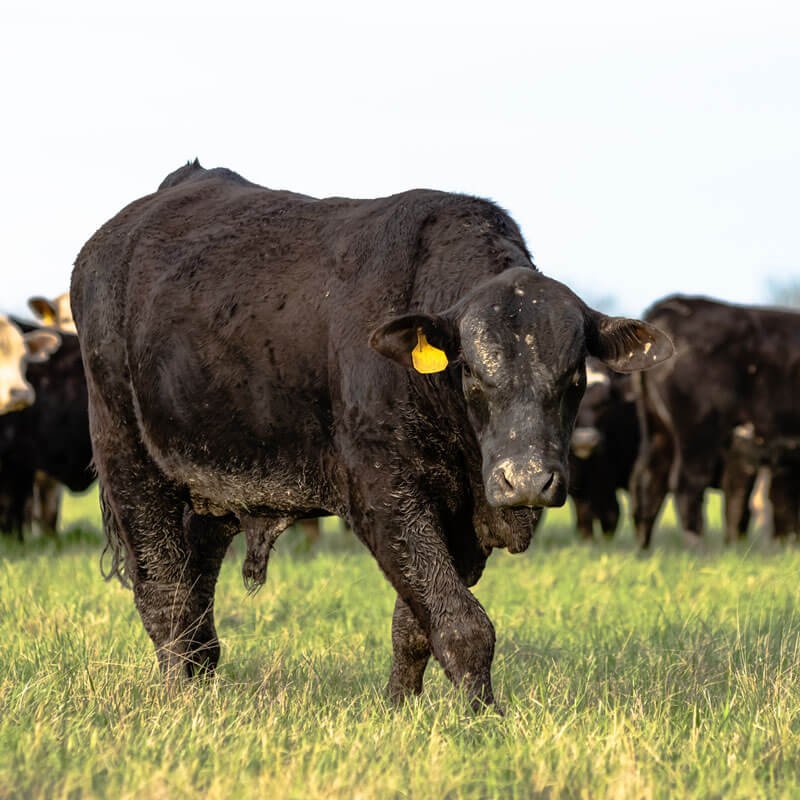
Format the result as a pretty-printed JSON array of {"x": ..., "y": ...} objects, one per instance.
[{"x": 412, "y": 551}]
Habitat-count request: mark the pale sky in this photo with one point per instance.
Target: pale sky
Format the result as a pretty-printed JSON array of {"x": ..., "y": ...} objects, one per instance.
[{"x": 643, "y": 148}]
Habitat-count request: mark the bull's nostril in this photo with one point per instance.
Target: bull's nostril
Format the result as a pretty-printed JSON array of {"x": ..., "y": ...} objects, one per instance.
[
  {"x": 504, "y": 482},
  {"x": 549, "y": 482}
]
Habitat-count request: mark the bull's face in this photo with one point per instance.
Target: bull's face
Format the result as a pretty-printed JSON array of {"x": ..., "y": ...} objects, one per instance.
[
  {"x": 520, "y": 341},
  {"x": 17, "y": 350}
]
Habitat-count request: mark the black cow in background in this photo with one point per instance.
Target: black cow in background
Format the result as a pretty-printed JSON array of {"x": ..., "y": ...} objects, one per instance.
[
  {"x": 604, "y": 447},
  {"x": 47, "y": 491},
  {"x": 723, "y": 406},
  {"x": 51, "y": 436}
]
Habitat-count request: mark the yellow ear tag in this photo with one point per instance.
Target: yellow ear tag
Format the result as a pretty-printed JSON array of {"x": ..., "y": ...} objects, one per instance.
[{"x": 427, "y": 358}]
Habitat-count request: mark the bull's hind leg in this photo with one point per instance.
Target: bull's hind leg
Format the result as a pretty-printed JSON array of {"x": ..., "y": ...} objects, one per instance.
[
  {"x": 173, "y": 561},
  {"x": 172, "y": 556}
]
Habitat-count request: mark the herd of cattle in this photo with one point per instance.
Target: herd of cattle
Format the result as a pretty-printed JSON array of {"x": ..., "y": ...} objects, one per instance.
[
  {"x": 719, "y": 412},
  {"x": 250, "y": 359}
]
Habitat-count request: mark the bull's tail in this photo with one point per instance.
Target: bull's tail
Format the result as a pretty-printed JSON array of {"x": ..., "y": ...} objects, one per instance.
[{"x": 114, "y": 560}]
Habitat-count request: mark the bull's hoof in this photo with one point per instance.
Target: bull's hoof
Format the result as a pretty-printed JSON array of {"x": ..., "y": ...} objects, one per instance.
[
  {"x": 482, "y": 706},
  {"x": 178, "y": 668},
  {"x": 399, "y": 693}
]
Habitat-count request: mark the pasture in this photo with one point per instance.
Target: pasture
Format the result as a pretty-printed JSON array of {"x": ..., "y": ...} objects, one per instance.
[{"x": 671, "y": 675}]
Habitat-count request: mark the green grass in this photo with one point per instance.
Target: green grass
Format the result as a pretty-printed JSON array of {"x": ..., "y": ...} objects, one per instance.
[{"x": 671, "y": 675}]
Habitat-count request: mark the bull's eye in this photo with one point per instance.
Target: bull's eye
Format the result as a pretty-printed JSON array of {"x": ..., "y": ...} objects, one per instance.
[{"x": 467, "y": 371}]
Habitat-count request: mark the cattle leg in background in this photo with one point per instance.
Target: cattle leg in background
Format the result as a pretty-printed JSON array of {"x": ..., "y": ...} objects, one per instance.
[
  {"x": 16, "y": 502},
  {"x": 46, "y": 503},
  {"x": 605, "y": 506},
  {"x": 650, "y": 477},
  {"x": 738, "y": 479},
  {"x": 594, "y": 493},
  {"x": 785, "y": 496},
  {"x": 310, "y": 529},
  {"x": 760, "y": 504},
  {"x": 584, "y": 518},
  {"x": 696, "y": 469},
  {"x": 602, "y": 506}
]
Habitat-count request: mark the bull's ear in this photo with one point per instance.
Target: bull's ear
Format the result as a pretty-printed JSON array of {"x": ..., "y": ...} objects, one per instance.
[
  {"x": 424, "y": 342},
  {"x": 43, "y": 309},
  {"x": 626, "y": 345},
  {"x": 41, "y": 345}
]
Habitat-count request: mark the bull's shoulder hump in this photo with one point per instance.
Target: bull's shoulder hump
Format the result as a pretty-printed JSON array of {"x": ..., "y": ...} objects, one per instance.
[{"x": 192, "y": 172}]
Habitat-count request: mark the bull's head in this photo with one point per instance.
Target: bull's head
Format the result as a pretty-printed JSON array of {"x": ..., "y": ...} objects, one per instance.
[{"x": 520, "y": 341}]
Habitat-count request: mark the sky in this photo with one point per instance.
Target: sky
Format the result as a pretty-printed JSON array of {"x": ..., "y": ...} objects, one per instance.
[{"x": 643, "y": 148}]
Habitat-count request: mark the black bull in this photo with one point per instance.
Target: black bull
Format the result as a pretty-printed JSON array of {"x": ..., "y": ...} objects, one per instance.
[{"x": 250, "y": 358}]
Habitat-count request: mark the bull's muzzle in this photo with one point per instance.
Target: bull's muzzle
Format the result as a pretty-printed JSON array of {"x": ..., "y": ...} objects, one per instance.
[{"x": 513, "y": 483}]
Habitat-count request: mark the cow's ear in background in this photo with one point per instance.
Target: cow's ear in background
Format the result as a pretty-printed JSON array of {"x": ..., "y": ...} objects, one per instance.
[
  {"x": 423, "y": 342},
  {"x": 626, "y": 345},
  {"x": 41, "y": 345},
  {"x": 44, "y": 310}
]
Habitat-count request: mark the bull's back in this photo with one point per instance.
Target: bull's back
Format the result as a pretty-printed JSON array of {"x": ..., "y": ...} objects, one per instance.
[{"x": 199, "y": 306}]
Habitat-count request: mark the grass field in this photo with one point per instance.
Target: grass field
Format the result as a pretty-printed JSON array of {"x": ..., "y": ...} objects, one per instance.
[{"x": 672, "y": 675}]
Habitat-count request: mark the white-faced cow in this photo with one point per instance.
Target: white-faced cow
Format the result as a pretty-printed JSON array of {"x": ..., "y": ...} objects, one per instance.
[
  {"x": 254, "y": 357},
  {"x": 725, "y": 405},
  {"x": 17, "y": 350},
  {"x": 50, "y": 437}
]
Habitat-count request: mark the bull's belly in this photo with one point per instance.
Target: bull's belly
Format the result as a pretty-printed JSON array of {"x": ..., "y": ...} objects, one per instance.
[{"x": 253, "y": 479}]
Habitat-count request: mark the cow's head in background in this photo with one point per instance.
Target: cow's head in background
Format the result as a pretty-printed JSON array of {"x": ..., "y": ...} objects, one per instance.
[
  {"x": 17, "y": 350},
  {"x": 521, "y": 341},
  {"x": 55, "y": 313},
  {"x": 590, "y": 422}
]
